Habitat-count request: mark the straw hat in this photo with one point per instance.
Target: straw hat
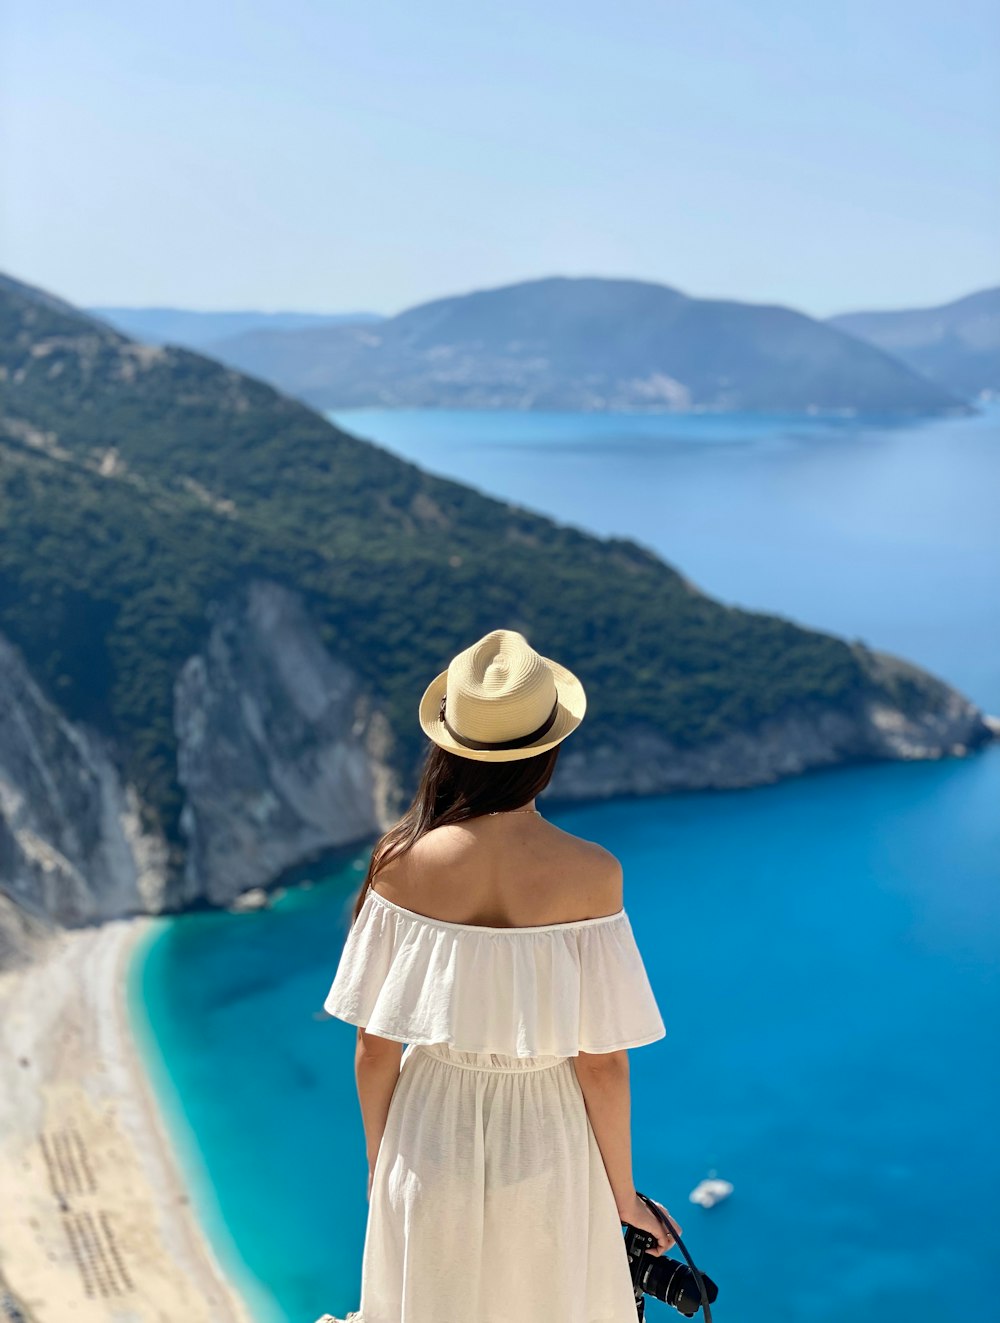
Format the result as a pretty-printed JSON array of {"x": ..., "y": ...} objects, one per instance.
[{"x": 500, "y": 700}]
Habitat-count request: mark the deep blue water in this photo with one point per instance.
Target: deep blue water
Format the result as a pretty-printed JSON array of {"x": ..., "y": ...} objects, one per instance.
[
  {"x": 883, "y": 532},
  {"x": 824, "y": 950}
]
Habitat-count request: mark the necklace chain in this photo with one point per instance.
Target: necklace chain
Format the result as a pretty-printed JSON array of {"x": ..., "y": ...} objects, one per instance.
[{"x": 493, "y": 813}]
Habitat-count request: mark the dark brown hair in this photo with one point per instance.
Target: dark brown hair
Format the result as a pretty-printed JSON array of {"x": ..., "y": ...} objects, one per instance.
[{"x": 454, "y": 789}]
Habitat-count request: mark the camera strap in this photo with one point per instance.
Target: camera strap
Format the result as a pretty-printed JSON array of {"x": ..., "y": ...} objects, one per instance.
[{"x": 655, "y": 1208}]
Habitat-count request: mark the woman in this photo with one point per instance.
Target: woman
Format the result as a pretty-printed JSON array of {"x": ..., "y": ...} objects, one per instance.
[{"x": 497, "y": 947}]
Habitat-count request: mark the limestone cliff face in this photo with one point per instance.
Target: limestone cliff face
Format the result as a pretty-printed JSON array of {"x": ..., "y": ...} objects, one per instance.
[
  {"x": 281, "y": 752},
  {"x": 71, "y": 846}
]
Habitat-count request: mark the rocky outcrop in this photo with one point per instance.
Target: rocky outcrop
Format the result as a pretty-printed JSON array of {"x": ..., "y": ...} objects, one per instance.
[
  {"x": 281, "y": 751},
  {"x": 72, "y": 849},
  {"x": 643, "y": 762}
]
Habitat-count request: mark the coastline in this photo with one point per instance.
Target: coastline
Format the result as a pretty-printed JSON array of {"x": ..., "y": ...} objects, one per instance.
[{"x": 102, "y": 1222}]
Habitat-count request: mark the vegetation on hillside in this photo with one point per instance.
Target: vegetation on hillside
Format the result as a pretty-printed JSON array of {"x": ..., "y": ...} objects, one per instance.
[{"x": 138, "y": 486}]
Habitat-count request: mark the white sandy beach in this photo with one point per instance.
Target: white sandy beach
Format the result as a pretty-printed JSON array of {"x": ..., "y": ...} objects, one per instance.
[{"x": 95, "y": 1223}]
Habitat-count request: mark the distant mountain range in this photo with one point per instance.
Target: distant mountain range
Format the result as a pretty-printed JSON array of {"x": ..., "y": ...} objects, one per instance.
[
  {"x": 956, "y": 345},
  {"x": 584, "y": 344},
  {"x": 201, "y": 330},
  {"x": 216, "y": 610}
]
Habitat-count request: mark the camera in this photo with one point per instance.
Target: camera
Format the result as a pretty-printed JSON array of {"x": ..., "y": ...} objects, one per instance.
[{"x": 662, "y": 1277}]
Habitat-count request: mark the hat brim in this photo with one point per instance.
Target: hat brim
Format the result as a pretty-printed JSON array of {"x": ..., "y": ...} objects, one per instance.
[{"x": 572, "y": 704}]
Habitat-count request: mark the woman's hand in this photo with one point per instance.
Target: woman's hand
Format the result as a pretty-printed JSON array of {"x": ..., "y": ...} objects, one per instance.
[{"x": 643, "y": 1217}]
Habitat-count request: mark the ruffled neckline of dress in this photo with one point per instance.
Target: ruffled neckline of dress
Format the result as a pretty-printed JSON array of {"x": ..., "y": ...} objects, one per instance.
[{"x": 547, "y": 990}]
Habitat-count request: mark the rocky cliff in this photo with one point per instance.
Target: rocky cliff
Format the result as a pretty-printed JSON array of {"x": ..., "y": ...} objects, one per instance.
[
  {"x": 283, "y": 753},
  {"x": 71, "y": 847}
]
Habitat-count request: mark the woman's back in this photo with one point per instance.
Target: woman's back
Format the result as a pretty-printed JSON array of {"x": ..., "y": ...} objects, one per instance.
[
  {"x": 489, "y": 1128},
  {"x": 512, "y": 870}
]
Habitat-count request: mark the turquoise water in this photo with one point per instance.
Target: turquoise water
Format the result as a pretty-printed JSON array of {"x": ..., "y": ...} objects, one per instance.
[{"x": 824, "y": 951}]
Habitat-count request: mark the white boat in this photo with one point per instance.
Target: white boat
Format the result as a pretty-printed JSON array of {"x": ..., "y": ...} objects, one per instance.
[{"x": 710, "y": 1191}]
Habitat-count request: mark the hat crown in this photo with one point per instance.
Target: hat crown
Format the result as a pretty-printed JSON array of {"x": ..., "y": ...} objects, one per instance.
[{"x": 499, "y": 689}]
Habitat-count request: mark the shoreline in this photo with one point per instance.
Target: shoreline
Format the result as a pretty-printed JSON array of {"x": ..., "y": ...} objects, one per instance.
[{"x": 102, "y": 1222}]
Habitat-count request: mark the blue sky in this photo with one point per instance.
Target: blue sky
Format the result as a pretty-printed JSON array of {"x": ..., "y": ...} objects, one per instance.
[{"x": 332, "y": 155}]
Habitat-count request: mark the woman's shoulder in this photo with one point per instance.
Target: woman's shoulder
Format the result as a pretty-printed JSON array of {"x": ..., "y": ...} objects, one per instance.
[
  {"x": 593, "y": 877},
  {"x": 561, "y": 878}
]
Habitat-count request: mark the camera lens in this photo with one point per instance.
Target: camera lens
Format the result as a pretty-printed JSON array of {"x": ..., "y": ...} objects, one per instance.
[{"x": 675, "y": 1284}]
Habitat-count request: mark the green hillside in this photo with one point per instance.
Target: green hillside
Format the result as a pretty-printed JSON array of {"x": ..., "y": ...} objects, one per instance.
[{"x": 137, "y": 485}]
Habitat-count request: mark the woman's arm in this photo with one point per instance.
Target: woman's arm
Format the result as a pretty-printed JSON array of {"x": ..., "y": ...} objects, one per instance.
[
  {"x": 604, "y": 1079},
  {"x": 376, "y": 1069}
]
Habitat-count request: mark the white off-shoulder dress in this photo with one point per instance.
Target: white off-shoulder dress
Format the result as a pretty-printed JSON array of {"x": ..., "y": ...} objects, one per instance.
[{"x": 490, "y": 1202}]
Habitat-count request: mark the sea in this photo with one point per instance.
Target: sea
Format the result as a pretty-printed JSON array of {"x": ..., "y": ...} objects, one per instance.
[{"x": 824, "y": 950}]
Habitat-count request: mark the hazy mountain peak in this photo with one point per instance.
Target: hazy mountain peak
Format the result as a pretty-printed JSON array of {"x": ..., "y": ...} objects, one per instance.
[{"x": 586, "y": 343}]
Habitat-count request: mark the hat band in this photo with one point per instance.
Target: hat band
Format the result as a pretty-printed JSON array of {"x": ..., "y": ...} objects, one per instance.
[{"x": 518, "y": 743}]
